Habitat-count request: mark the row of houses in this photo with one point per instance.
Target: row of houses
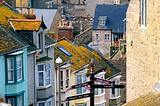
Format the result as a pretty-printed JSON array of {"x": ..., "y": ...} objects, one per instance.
[{"x": 28, "y": 70}]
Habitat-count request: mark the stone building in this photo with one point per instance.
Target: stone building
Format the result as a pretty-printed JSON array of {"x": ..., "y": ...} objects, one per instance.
[{"x": 143, "y": 50}]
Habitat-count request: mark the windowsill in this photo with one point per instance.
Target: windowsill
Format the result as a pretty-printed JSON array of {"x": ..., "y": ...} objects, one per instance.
[
  {"x": 143, "y": 27},
  {"x": 10, "y": 83},
  {"x": 44, "y": 87},
  {"x": 100, "y": 95},
  {"x": 115, "y": 97}
]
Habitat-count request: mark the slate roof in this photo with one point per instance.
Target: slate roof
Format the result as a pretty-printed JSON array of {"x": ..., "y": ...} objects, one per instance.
[
  {"x": 81, "y": 56},
  {"x": 48, "y": 40},
  {"x": 9, "y": 40},
  {"x": 25, "y": 24},
  {"x": 48, "y": 15},
  {"x": 114, "y": 14},
  {"x": 151, "y": 98}
]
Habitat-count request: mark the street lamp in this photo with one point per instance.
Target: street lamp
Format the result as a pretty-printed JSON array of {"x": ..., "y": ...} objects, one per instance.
[
  {"x": 124, "y": 27},
  {"x": 59, "y": 61}
]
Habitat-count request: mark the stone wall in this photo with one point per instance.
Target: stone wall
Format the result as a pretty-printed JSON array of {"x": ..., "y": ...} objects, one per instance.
[
  {"x": 84, "y": 38},
  {"x": 143, "y": 50},
  {"x": 101, "y": 37}
]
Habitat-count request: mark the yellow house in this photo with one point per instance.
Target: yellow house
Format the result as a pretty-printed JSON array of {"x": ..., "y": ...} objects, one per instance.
[
  {"x": 21, "y": 3},
  {"x": 80, "y": 67}
]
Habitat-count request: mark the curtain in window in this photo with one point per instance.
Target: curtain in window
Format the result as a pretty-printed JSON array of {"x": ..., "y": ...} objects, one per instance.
[
  {"x": 41, "y": 79},
  {"x": 19, "y": 67}
]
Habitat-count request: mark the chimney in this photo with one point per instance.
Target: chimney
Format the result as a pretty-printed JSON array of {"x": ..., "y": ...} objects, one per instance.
[
  {"x": 20, "y": 10},
  {"x": 70, "y": 23},
  {"x": 32, "y": 12},
  {"x": 28, "y": 9},
  {"x": 24, "y": 11}
]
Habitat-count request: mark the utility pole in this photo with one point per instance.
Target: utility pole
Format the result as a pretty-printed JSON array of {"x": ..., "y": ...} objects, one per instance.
[{"x": 92, "y": 82}]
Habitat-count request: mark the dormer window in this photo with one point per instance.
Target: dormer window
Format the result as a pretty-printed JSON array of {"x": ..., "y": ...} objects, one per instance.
[{"x": 102, "y": 20}]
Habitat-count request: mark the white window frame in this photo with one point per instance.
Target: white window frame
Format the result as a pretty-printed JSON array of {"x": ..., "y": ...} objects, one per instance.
[
  {"x": 67, "y": 79},
  {"x": 117, "y": 90},
  {"x": 107, "y": 36},
  {"x": 45, "y": 102},
  {"x": 9, "y": 70},
  {"x": 44, "y": 71},
  {"x": 81, "y": 104},
  {"x": 100, "y": 93},
  {"x": 102, "y": 21},
  {"x": 83, "y": 89},
  {"x": 19, "y": 68},
  {"x": 144, "y": 13}
]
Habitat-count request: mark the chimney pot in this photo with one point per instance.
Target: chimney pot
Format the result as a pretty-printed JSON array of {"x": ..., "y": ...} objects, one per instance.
[
  {"x": 32, "y": 12},
  {"x": 70, "y": 23},
  {"x": 24, "y": 10},
  {"x": 28, "y": 9}
]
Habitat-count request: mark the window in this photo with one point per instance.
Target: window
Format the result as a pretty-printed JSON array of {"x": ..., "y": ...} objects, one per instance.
[
  {"x": 81, "y": 79},
  {"x": 64, "y": 51},
  {"x": 45, "y": 103},
  {"x": 44, "y": 74},
  {"x": 67, "y": 78},
  {"x": 14, "y": 68},
  {"x": 16, "y": 100},
  {"x": 115, "y": 92},
  {"x": 39, "y": 41},
  {"x": 98, "y": 91},
  {"x": 10, "y": 69},
  {"x": 67, "y": 103},
  {"x": 28, "y": 35},
  {"x": 144, "y": 13},
  {"x": 64, "y": 77},
  {"x": 96, "y": 36},
  {"x": 106, "y": 36},
  {"x": 102, "y": 20}
]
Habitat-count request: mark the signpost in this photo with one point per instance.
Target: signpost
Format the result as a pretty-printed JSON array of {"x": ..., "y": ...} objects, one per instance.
[
  {"x": 106, "y": 86},
  {"x": 79, "y": 96},
  {"x": 109, "y": 84},
  {"x": 103, "y": 81},
  {"x": 80, "y": 85}
]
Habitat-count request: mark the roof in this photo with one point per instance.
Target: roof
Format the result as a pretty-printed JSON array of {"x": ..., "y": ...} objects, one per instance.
[
  {"x": 114, "y": 16},
  {"x": 48, "y": 40},
  {"x": 48, "y": 15},
  {"x": 43, "y": 59},
  {"x": 9, "y": 40},
  {"x": 81, "y": 56},
  {"x": 151, "y": 98},
  {"x": 25, "y": 24}
]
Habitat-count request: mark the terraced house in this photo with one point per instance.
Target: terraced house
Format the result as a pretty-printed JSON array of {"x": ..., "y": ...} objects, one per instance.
[
  {"x": 39, "y": 62},
  {"x": 80, "y": 57}
]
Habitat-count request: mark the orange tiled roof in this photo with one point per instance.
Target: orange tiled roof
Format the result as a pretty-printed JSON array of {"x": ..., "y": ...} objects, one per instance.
[{"x": 25, "y": 24}]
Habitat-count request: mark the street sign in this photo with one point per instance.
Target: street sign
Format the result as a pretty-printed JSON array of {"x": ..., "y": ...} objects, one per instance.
[
  {"x": 107, "y": 82},
  {"x": 88, "y": 88},
  {"x": 79, "y": 96},
  {"x": 107, "y": 86},
  {"x": 80, "y": 85}
]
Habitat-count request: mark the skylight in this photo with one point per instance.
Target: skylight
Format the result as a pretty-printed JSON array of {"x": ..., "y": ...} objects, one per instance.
[{"x": 64, "y": 51}]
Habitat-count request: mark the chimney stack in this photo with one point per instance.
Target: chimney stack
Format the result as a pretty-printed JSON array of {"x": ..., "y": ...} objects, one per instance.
[
  {"x": 32, "y": 12},
  {"x": 28, "y": 9}
]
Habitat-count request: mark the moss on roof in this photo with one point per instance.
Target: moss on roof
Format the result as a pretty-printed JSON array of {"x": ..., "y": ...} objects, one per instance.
[
  {"x": 7, "y": 13},
  {"x": 151, "y": 98},
  {"x": 26, "y": 24},
  {"x": 81, "y": 56}
]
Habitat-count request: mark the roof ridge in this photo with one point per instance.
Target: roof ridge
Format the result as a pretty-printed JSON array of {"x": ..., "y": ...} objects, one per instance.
[
  {"x": 3, "y": 2},
  {"x": 28, "y": 20}
]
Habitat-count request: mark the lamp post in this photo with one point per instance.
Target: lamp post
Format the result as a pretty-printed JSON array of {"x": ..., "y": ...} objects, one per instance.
[
  {"x": 59, "y": 61},
  {"x": 124, "y": 27}
]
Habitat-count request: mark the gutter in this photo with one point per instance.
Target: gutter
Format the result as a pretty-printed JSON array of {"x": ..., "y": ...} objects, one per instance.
[
  {"x": 80, "y": 69},
  {"x": 50, "y": 45}
]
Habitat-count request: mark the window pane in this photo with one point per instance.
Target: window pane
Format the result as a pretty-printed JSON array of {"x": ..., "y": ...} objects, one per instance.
[
  {"x": 10, "y": 75},
  {"x": 11, "y": 101},
  {"x": 19, "y": 61},
  {"x": 41, "y": 104},
  {"x": 67, "y": 72},
  {"x": 40, "y": 67},
  {"x": 79, "y": 90},
  {"x": 19, "y": 101},
  {"x": 41, "y": 79},
  {"x": 84, "y": 77},
  {"x": 67, "y": 83},
  {"x": 49, "y": 103},
  {"x": 47, "y": 81},
  {"x": 96, "y": 89},
  {"x": 48, "y": 66},
  {"x": 48, "y": 74},
  {"x": 19, "y": 74},
  {"x": 10, "y": 63}
]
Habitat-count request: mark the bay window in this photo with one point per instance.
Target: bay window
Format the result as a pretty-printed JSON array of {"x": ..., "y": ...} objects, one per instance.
[
  {"x": 14, "y": 68},
  {"x": 16, "y": 100},
  {"x": 115, "y": 92},
  {"x": 44, "y": 74},
  {"x": 81, "y": 79}
]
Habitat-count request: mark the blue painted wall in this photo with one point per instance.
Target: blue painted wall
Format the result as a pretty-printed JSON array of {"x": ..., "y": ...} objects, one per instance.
[
  {"x": 2, "y": 76},
  {"x": 22, "y": 86}
]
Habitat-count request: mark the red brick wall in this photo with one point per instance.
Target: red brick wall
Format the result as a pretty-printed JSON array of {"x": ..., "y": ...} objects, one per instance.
[{"x": 65, "y": 32}]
